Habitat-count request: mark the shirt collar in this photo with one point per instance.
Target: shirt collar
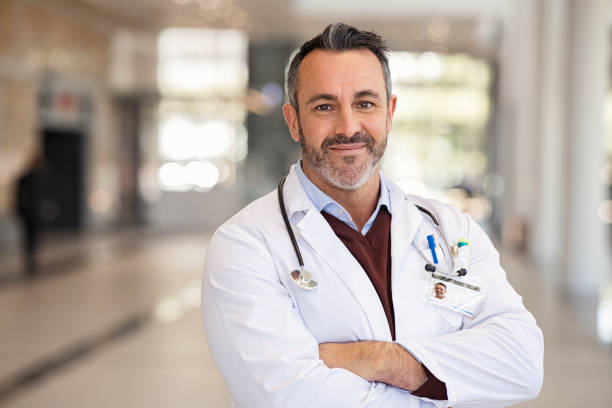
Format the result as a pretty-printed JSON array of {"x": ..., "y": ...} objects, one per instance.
[{"x": 323, "y": 202}]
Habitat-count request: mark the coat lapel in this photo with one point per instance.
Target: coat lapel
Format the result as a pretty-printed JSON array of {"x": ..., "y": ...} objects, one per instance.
[
  {"x": 314, "y": 231},
  {"x": 406, "y": 220}
]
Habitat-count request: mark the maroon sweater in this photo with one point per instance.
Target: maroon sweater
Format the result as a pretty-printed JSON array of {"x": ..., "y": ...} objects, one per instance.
[{"x": 373, "y": 252}]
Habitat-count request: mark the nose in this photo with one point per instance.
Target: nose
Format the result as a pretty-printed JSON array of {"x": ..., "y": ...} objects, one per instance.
[{"x": 347, "y": 122}]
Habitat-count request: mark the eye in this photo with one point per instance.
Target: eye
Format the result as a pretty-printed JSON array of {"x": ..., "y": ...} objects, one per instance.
[
  {"x": 323, "y": 108},
  {"x": 365, "y": 105}
]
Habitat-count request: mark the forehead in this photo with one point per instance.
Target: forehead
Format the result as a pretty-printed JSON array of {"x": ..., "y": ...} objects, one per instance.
[{"x": 336, "y": 72}]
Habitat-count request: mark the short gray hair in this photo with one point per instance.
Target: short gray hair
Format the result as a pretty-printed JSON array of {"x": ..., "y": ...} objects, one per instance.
[{"x": 338, "y": 37}]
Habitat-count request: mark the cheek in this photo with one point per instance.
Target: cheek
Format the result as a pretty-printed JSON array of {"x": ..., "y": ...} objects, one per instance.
[
  {"x": 316, "y": 129},
  {"x": 377, "y": 124}
]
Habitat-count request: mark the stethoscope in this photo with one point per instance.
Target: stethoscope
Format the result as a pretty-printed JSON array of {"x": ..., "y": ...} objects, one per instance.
[
  {"x": 303, "y": 278},
  {"x": 452, "y": 251}
]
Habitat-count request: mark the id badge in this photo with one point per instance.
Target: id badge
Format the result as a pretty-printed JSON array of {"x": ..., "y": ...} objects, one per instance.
[{"x": 459, "y": 294}]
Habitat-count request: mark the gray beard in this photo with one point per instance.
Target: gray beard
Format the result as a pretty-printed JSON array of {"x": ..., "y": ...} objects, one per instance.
[{"x": 344, "y": 179}]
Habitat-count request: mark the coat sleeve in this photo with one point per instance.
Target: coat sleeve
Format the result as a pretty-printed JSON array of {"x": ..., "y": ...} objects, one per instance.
[
  {"x": 261, "y": 346},
  {"x": 496, "y": 358}
]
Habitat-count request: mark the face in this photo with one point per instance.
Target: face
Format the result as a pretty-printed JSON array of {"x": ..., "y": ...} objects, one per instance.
[
  {"x": 440, "y": 291},
  {"x": 344, "y": 116}
]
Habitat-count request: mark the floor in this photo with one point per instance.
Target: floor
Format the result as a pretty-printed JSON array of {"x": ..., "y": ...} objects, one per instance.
[{"x": 113, "y": 321}]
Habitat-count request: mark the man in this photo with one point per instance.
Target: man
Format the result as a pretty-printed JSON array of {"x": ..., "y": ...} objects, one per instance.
[
  {"x": 28, "y": 197},
  {"x": 353, "y": 326},
  {"x": 440, "y": 290}
]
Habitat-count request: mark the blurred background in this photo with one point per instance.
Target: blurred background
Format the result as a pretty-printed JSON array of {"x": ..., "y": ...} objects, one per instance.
[{"x": 129, "y": 130}]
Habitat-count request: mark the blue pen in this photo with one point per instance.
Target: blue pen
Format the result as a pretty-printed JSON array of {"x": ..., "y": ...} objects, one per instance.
[{"x": 432, "y": 247}]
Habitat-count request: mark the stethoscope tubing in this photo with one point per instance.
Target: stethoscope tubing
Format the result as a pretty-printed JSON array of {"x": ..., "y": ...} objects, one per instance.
[
  {"x": 437, "y": 227},
  {"x": 281, "y": 202},
  {"x": 298, "y": 253}
]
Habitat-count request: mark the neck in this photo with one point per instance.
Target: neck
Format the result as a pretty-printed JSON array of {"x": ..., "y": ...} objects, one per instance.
[{"x": 360, "y": 203}]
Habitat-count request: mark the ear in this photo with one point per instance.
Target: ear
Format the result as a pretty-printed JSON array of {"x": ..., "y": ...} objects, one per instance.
[
  {"x": 391, "y": 111},
  {"x": 291, "y": 117}
]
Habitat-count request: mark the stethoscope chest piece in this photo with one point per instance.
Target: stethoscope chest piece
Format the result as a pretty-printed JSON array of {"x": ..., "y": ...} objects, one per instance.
[{"x": 303, "y": 279}]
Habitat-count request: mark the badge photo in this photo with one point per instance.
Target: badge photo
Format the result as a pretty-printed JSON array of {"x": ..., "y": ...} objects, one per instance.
[{"x": 459, "y": 295}]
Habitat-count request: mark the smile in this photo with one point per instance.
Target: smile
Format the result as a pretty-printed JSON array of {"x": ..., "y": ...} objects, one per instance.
[{"x": 346, "y": 149}]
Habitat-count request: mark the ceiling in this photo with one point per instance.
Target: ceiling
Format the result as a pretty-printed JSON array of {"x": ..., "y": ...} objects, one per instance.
[{"x": 469, "y": 26}]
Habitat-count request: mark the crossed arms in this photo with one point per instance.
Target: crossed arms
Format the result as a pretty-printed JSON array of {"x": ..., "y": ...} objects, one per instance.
[{"x": 379, "y": 361}]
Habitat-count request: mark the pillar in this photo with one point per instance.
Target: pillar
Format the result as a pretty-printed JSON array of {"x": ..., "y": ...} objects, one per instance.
[{"x": 587, "y": 254}]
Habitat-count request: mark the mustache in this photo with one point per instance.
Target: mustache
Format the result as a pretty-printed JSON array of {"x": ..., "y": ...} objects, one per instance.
[{"x": 359, "y": 137}]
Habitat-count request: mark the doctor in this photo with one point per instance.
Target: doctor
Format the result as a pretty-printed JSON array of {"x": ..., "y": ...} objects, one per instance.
[{"x": 364, "y": 329}]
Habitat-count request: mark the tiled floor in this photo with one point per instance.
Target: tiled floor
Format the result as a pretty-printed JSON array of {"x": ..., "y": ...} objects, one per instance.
[{"x": 124, "y": 330}]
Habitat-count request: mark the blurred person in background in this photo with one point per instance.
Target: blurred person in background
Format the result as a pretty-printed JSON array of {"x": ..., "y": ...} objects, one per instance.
[
  {"x": 318, "y": 293},
  {"x": 28, "y": 197}
]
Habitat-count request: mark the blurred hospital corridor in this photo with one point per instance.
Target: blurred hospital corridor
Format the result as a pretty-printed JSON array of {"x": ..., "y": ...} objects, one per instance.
[
  {"x": 120, "y": 326},
  {"x": 131, "y": 130}
]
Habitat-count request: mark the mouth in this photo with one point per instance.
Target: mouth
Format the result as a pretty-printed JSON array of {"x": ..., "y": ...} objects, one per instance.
[{"x": 348, "y": 149}]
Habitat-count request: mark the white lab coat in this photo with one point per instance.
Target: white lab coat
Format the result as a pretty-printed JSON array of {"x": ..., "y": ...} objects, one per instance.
[{"x": 264, "y": 331}]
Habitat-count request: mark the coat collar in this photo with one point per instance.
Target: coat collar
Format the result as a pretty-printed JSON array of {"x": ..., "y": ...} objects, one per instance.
[
  {"x": 296, "y": 199},
  {"x": 312, "y": 230}
]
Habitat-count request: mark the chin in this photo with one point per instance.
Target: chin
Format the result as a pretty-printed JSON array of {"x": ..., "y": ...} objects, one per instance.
[{"x": 349, "y": 179}]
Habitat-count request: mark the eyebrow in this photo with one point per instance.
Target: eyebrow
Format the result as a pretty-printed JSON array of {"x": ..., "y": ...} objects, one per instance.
[
  {"x": 330, "y": 97},
  {"x": 365, "y": 93},
  {"x": 323, "y": 96}
]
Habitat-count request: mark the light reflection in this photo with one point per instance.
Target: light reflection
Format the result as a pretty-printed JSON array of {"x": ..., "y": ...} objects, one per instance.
[
  {"x": 196, "y": 175},
  {"x": 173, "y": 307},
  {"x": 202, "y": 175},
  {"x": 409, "y": 67},
  {"x": 430, "y": 66},
  {"x": 440, "y": 150},
  {"x": 191, "y": 296},
  {"x": 169, "y": 309},
  {"x": 403, "y": 66},
  {"x": 240, "y": 148},
  {"x": 184, "y": 139},
  {"x": 195, "y": 61},
  {"x": 605, "y": 211},
  {"x": 174, "y": 135},
  {"x": 604, "y": 314},
  {"x": 214, "y": 138},
  {"x": 202, "y": 77},
  {"x": 171, "y": 177}
]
